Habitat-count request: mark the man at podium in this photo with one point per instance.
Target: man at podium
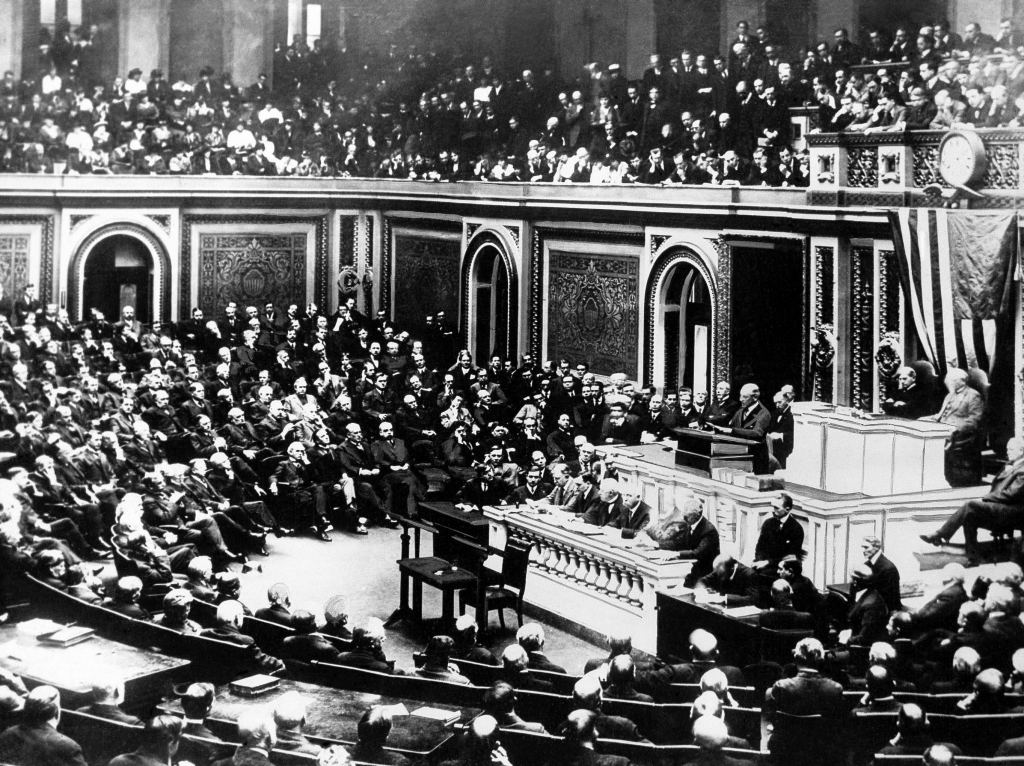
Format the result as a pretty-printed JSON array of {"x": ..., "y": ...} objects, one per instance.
[{"x": 751, "y": 421}]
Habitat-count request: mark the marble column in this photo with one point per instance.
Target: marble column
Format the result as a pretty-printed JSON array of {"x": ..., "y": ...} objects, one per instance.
[
  {"x": 12, "y": 27},
  {"x": 144, "y": 27},
  {"x": 248, "y": 39}
]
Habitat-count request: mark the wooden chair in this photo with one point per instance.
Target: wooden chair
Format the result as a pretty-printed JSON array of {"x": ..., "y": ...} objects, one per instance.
[
  {"x": 509, "y": 590},
  {"x": 268, "y": 635}
]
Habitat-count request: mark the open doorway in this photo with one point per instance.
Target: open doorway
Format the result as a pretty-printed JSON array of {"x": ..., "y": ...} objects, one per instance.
[
  {"x": 490, "y": 294},
  {"x": 119, "y": 273},
  {"x": 686, "y": 319}
]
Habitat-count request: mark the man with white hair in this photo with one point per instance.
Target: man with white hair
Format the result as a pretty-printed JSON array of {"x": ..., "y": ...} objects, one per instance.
[
  {"x": 751, "y": 421},
  {"x": 258, "y": 733},
  {"x": 963, "y": 408},
  {"x": 289, "y": 718},
  {"x": 531, "y": 638},
  {"x": 942, "y": 610},
  {"x": 1000, "y": 509},
  {"x": 597, "y": 509},
  {"x": 633, "y": 514}
]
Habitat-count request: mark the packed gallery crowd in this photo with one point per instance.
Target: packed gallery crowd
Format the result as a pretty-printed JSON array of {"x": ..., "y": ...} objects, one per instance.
[{"x": 698, "y": 117}]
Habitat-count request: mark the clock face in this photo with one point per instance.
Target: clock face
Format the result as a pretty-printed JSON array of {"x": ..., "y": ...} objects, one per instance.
[{"x": 958, "y": 159}]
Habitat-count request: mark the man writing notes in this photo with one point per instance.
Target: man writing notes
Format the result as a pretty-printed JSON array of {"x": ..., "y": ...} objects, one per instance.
[{"x": 688, "y": 532}]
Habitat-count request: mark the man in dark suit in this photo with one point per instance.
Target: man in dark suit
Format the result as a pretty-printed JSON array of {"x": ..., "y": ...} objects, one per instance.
[
  {"x": 780, "y": 432},
  {"x": 531, "y": 638},
  {"x": 599, "y": 504},
  {"x": 912, "y": 735},
  {"x": 868, "y": 615},
  {"x": 258, "y": 735},
  {"x": 280, "y": 599},
  {"x": 1002, "y": 508},
  {"x": 720, "y": 411},
  {"x": 689, "y": 533},
  {"x": 392, "y": 457},
  {"x": 711, "y": 734},
  {"x": 806, "y": 597},
  {"x": 588, "y": 695},
  {"x": 618, "y": 427},
  {"x": 366, "y": 652},
  {"x": 751, "y": 421},
  {"x": 581, "y": 732},
  {"x": 292, "y": 480},
  {"x": 107, "y": 695},
  {"x": 911, "y": 400},
  {"x": 35, "y": 740},
  {"x": 736, "y": 581},
  {"x": 884, "y": 577},
  {"x": 634, "y": 514},
  {"x": 306, "y": 645},
  {"x": 941, "y": 612},
  {"x": 781, "y": 535}
]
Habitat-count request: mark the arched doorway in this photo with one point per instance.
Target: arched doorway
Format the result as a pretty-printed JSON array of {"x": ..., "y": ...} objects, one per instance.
[
  {"x": 686, "y": 316},
  {"x": 118, "y": 272},
  {"x": 489, "y": 296}
]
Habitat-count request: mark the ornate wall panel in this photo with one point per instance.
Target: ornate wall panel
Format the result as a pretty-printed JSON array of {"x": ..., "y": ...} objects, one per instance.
[
  {"x": 722, "y": 362},
  {"x": 862, "y": 342},
  {"x": 593, "y": 310},
  {"x": 863, "y": 167},
  {"x": 21, "y": 242},
  {"x": 1003, "y": 170},
  {"x": 14, "y": 268},
  {"x": 347, "y": 241},
  {"x": 926, "y": 166},
  {"x": 219, "y": 280},
  {"x": 251, "y": 268},
  {"x": 824, "y": 274},
  {"x": 426, "y": 278}
]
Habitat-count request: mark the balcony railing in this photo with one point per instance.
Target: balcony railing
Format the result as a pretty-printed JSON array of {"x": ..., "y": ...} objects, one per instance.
[{"x": 908, "y": 160}]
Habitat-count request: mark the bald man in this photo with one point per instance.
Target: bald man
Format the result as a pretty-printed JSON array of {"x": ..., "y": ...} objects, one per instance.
[{"x": 751, "y": 421}]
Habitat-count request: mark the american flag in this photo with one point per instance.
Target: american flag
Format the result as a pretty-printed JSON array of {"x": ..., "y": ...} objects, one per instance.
[{"x": 955, "y": 269}]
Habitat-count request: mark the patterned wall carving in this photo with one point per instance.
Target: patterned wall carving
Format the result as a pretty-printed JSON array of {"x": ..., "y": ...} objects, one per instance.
[
  {"x": 536, "y": 297},
  {"x": 44, "y": 280},
  {"x": 426, "y": 278},
  {"x": 385, "y": 270},
  {"x": 14, "y": 275},
  {"x": 252, "y": 223},
  {"x": 1003, "y": 171},
  {"x": 926, "y": 166},
  {"x": 347, "y": 240},
  {"x": 862, "y": 346},
  {"x": 74, "y": 221},
  {"x": 593, "y": 310},
  {"x": 824, "y": 274},
  {"x": 251, "y": 268},
  {"x": 368, "y": 245},
  {"x": 163, "y": 221},
  {"x": 862, "y": 169},
  {"x": 722, "y": 365}
]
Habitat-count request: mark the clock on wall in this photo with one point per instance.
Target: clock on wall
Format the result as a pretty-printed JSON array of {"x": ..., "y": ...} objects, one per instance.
[{"x": 962, "y": 160}]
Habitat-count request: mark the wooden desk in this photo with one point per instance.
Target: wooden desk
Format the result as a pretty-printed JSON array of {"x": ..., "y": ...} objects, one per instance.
[
  {"x": 438, "y": 573},
  {"x": 738, "y": 637},
  {"x": 332, "y": 715},
  {"x": 591, "y": 576},
  {"x": 73, "y": 669}
]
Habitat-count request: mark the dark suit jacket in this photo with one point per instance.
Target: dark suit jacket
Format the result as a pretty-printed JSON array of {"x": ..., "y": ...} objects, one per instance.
[
  {"x": 868, "y": 618},
  {"x": 700, "y": 544},
  {"x": 778, "y": 540},
  {"x": 538, "y": 661},
  {"x": 741, "y": 588},
  {"x": 886, "y": 580},
  {"x": 581, "y": 756},
  {"x": 245, "y": 757},
  {"x": 941, "y": 611},
  {"x": 807, "y": 693},
  {"x": 111, "y": 713},
  {"x": 754, "y": 425},
  {"x": 720, "y": 413},
  {"x": 360, "y": 658},
  {"x": 594, "y": 510},
  {"x": 308, "y": 648},
  {"x": 39, "y": 745},
  {"x": 617, "y": 727},
  {"x": 636, "y": 519},
  {"x": 1011, "y": 747},
  {"x": 275, "y": 613}
]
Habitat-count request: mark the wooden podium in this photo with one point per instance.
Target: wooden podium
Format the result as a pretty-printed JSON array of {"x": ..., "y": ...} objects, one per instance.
[{"x": 706, "y": 450}]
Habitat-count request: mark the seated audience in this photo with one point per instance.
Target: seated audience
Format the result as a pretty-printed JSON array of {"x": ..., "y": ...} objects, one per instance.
[
  {"x": 107, "y": 695},
  {"x": 258, "y": 736},
  {"x": 372, "y": 732},
  {"x": 160, "y": 744},
  {"x": 289, "y": 718},
  {"x": 531, "y": 638},
  {"x": 280, "y": 600},
  {"x": 436, "y": 662},
  {"x": 500, "y": 702},
  {"x": 307, "y": 645},
  {"x": 35, "y": 739},
  {"x": 580, "y": 733}
]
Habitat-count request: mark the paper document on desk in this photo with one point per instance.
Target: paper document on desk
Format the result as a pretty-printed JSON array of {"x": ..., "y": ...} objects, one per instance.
[
  {"x": 743, "y": 611},
  {"x": 396, "y": 710},
  {"x": 707, "y": 597},
  {"x": 436, "y": 714}
]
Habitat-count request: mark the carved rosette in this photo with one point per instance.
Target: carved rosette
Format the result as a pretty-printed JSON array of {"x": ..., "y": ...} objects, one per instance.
[
  {"x": 536, "y": 298},
  {"x": 385, "y": 270}
]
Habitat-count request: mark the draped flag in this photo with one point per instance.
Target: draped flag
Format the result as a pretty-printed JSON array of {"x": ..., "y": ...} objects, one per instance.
[{"x": 956, "y": 270}]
